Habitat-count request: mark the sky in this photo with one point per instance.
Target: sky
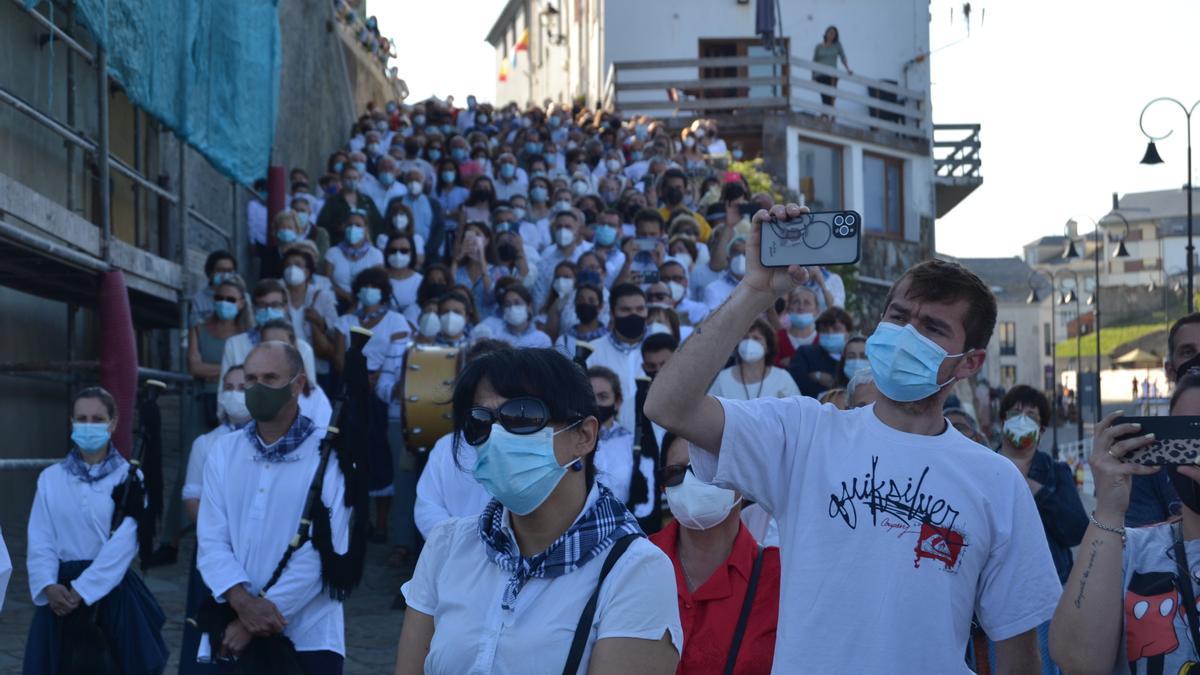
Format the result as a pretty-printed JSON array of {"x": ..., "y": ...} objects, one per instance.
[{"x": 1057, "y": 86}]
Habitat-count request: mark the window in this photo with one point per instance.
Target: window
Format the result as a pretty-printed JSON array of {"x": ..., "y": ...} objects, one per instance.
[
  {"x": 1008, "y": 338},
  {"x": 746, "y": 47},
  {"x": 1008, "y": 376},
  {"x": 820, "y": 174},
  {"x": 1046, "y": 341},
  {"x": 883, "y": 193}
]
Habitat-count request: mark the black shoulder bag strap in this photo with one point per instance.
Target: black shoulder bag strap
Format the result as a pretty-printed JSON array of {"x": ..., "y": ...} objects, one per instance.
[
  {"x": 1186, "y": 588},
  {"x": 747, "y": 604},
  {"x": 584, "y": 629}
]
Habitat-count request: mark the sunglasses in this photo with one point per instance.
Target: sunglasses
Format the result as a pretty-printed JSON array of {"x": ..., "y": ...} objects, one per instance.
[
  {"x": 658, "y": 296},
  {"x": 522, "y": 416},
  {"x": 672, "y": 474},
  {"x": 226, "y": 298}
]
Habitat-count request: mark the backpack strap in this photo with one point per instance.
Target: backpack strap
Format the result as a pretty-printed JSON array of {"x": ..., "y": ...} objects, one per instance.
[
  {"x": 744, "y": 618},
  {"x": 584, "y": 629}
]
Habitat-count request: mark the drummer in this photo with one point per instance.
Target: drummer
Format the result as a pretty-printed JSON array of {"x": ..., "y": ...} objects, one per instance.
[{"x": 75, "y": 564}]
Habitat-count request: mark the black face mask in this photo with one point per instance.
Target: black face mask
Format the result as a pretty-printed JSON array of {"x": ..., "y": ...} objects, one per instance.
[
  {"x": 507, "y": 252},
  {"x": 604, "y": 413},
  {"x": 673, "y": 196},
  {"x": 481, "y": 195},
  {"x": 630, "y": 327},
  {"x": 1192, "y": 364},
  {"x": 586, "y": 313},
  {"x": 1187, "y": 489}
]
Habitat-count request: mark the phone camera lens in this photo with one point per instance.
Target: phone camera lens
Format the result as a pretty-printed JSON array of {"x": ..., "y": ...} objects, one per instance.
[
  {"x": 843, "y": 231},
  {"x": 849, "y": 219},
  {"x": 838, "y": 220}
]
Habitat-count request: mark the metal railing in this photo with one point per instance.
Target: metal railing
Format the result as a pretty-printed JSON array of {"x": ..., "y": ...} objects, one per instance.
[
  {"x": 737, "y": 84},
  {"x": 956, "y": 150}
]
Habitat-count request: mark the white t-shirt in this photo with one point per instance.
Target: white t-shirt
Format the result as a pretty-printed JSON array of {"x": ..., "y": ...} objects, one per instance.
[
  {"x": 1153, "y": 617},
  {"x": 345, "y": 269},
  {"x": 777, "y": 384},
  {"x": 404, "y": 296},
  {"x": 890, "y": 541},
  {"x": 457, "y": 584},
  {"x": 391, "y": 327}
]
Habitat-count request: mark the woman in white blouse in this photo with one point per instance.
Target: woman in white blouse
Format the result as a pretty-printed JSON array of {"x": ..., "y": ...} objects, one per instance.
[
  {"x": 506, "y": 591},
  {"x": 753, "y": 376},
  {"x": 400, "y": 253},
  {"x": 614, "y": 456},
  {"x": 78, "y": 557},
  {"x": 353, "y": 254}
]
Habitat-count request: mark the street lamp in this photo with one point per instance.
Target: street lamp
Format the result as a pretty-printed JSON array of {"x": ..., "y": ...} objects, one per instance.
[
  {"x": 1035, "y": 299},
  {"x": 1094, "y": 300},
  {"x": 1152, "y": 157}
]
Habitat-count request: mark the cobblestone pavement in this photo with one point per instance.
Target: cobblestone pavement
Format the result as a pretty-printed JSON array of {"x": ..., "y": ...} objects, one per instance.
[{"x": 372, "y": 626}]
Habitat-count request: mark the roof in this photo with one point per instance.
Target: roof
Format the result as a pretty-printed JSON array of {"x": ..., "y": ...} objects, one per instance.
[
  {"x": 1009, "y": 278},
  {"x": 507, "y": 16},
  {"x": 1167, "y": 207}
]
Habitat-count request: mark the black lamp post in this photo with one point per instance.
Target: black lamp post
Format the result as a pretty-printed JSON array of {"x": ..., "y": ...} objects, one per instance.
[
  {"x": 1094, "y": 299},
  {"x": 1036, "y": 299},
  {"x": 1152, "y": 157}
]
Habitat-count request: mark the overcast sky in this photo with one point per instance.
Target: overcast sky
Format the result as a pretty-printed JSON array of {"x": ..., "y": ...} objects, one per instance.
[{"x": 1057, "y": 85}]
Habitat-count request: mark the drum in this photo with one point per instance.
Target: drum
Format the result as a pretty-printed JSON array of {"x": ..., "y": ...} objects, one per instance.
[{"x": 427, "y": 385}]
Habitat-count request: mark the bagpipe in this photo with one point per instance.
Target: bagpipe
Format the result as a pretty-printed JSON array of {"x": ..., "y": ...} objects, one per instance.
[
  {"x": 341, "y": 573},
  {"x": 645, "y": 446}
]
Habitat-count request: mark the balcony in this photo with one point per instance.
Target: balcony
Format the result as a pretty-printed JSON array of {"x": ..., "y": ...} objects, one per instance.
[{"x": 955, "y": 164}]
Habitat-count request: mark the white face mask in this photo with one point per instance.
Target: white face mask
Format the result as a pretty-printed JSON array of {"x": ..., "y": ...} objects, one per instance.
[
  {"x": 702, "y": 255},
  {"x": 400, "y": 221},
  {"x": 562, "y": 206},
  {"x": 1021, "y": 431},
  {"x": 657, "y": 328},
  {"x": 233, "y": 404},
  {"x": 614, "y": 165},
  {"x": 302, "y": 218},
  {"x": 579, "y": 188},
  {"x": 452, "y": 323},
  {"x": 737, "y": 265},
  {"x": 564, "y": 237},
  {"x": 294, "y": 275},
  {"x": 678, "y": 290},
  {"x": 415, "y": 187},
  {"x": 751, "y": 351},
  {"x": 698, "y": 506},
  {"x": 429, "y": 324},
  {"x": 683, "y": 258},
  {"x": 563, "y": 286},
  {"x": 516, "y": 315},
  {"x": 398, "y": 260}
]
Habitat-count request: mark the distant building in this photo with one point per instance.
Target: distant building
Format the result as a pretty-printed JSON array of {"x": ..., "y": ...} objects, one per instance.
[{"x": 874, "y": 150}]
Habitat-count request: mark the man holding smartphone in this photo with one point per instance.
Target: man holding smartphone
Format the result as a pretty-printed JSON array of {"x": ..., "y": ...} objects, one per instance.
[{"x": 895, "y": 529}]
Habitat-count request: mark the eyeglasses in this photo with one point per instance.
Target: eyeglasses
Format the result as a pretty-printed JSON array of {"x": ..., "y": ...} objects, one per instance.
[
  {"x": 658, "y": 296},
  {"x": 400, "y": 250},
  {"x": 672, "y": 474},
  {"x": 226, "y": 298},
  {"x": 522, "y": 416}
]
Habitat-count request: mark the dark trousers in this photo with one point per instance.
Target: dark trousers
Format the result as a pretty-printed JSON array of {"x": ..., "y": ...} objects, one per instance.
[{"x": 313, "y": 663}]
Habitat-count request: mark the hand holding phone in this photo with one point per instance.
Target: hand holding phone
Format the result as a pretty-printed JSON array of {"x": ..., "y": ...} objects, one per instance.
[{"x": 812, "y": 239}]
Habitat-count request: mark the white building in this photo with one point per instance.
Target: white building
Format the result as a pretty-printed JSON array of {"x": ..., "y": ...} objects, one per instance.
[{"x": 871, "y": 150}]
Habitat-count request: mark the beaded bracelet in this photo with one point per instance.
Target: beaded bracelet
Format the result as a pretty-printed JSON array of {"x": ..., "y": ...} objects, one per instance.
[{"x": 1108, "y": 528}]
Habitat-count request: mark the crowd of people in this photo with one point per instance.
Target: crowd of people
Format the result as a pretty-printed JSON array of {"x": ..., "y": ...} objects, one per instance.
[{"x": 661, "y": 456}]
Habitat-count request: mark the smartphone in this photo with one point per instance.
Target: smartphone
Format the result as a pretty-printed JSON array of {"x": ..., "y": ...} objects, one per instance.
[
  {"x": 646, "y": 244},
  {"x": 822, "y": 238},
  {"x": 748, "y": 209},
  {"x": 1176, "y": 440}
]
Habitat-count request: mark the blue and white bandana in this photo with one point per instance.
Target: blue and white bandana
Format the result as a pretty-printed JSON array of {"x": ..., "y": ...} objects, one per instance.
[
  {"x": 281, "y": 450},
  {"x": 606, "y": 521},
  {"x": 615, "y": 431},
  {"x": 90, "y": 473}
]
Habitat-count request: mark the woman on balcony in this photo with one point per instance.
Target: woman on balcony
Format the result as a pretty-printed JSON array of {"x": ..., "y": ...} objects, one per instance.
[{"x": 827, "y": 52}]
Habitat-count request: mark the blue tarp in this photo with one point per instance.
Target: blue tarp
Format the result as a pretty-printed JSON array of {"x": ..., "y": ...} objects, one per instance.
[{"x": 207, "y": 69}]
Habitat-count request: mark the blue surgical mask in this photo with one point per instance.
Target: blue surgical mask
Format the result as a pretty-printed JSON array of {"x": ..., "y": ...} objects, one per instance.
[
  {"x": 434, "y": 154},
  {"x": 606, "y": 235},
  {"x": 350, "y": 185},
  {"x": 265, "y": 314},
  {"x": 361, "y": 166},
  {"x": 90, "y": 437},
  {"x": 225, "y": 310},
  {"x": 636, "y": 155},
  {"x": 519, "y": 470},
  {"x": 459, "y": 154},
  {"x": 369, "y": 296},
  {"x": 508, "y": 170},
  {"x": 338, "y": 166},
  {"x": 533, "y": 148},
  {"x": 538, "y": 194},
  {"x": 386, "y": 179},
  {"x": 906, "y": 363},
  {"x": 219, "y": 277},
  {"x": 285, "y": 236},
  {"x": 852, "y": 366},
  {"x": 355, "y": 234},
  {"x": 448, "y": 177},
  {"x": 801, "y": 320},
  {"x": 737, "y": 154},
  {"x": 833, "y": 343}
]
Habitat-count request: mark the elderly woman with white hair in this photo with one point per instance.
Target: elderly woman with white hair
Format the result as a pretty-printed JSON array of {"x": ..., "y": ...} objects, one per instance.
[{"x": 861, "y": 390}]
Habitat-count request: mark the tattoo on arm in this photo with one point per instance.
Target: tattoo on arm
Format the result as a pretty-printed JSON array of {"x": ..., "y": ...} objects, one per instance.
[{"x": 1096, "y": 544}]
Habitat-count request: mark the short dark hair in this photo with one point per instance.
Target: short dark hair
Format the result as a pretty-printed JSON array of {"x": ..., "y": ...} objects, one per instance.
[
  {"x": 644, "y": 215},
  {"x": 674, "y": 173},
  {"x": 1182, "y": 321},
  {"x": 621, "y": 290},
  {"x": 600, "y": 372},
  {"x": 268, "y": 286},
  {"x": 279, "y": 324},
  {"x": 772, "y": 347},
  {"x": 372, "y": 276},
  {"x": 483, "y": 346},
  {"x": 544, "y": 374},
  {"x": 210, "y": 263},
  {"x": 943, "y": 281},
  {"x": 303, "y": 253},
  {"x": 521, "y": 291},
  {"x": 110, "y": 403},
  {"x": 1023, "y": 394},
  {"x": 659, "y": 342},
  {"x": 835, "y": 315}
]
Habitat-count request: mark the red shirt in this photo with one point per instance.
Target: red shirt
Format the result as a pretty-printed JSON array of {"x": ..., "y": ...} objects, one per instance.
[{"x": 710, "y": 615}]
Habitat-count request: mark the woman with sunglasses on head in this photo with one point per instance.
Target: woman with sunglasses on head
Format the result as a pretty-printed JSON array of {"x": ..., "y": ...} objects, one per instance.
[
  {"x": 721, "y": 571},
  {"x": 505, "y": 592},
  {"x": 1129, "y": 603}
]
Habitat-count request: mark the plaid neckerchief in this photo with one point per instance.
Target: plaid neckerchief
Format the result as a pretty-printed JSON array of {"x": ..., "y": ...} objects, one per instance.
[
  {"x": 90, "y": 473},
  {"x": 606, "y": 521},
  {"x": 600, "y": 332},
  {"x": 623, "y": 347},
  {"x": 281, "y": 450},
  {"x": 255, "y": 336},
  {"x": 615, "y": 431},
  {"x": 354, "y": 252},
  {"x": 364, "y": 317}
]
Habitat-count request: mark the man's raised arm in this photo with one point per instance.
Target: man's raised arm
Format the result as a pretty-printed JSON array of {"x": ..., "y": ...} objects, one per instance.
[{"x": 678, "y": 400}]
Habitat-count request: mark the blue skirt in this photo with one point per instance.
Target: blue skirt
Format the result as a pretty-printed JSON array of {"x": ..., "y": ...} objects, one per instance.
[
  {"x": 197, "y": 592},
  {"x": 129, "y": 617}
]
